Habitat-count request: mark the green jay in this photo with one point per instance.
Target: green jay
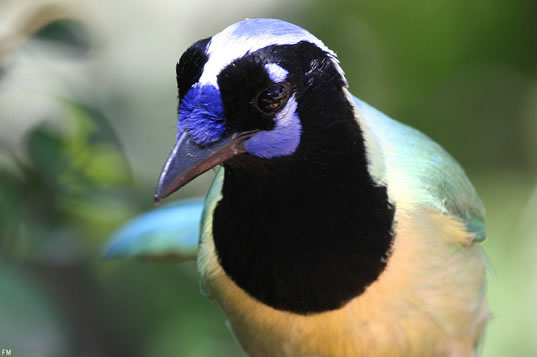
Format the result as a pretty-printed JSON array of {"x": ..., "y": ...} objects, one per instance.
[{"x": 330, "y": 229}]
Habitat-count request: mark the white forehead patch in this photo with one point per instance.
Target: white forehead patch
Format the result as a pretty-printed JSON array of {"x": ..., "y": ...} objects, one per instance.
[
  {"x": 276, "y": 73},
  {"x": 248, "y": 36}
]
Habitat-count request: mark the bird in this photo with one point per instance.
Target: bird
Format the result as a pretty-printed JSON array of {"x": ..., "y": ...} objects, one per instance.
[{"x": 330, "y": 229}]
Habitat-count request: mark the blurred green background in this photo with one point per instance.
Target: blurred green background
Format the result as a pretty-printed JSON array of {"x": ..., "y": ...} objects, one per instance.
[{"x": 87, "y": 118}]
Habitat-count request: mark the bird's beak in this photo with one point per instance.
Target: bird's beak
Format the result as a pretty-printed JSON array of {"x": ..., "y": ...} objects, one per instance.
[{"x": 188, "y": 160}]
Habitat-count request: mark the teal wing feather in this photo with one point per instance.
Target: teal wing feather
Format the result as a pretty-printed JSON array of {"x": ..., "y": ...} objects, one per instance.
[
  {"x": 418, "y": 170},
  {"x": 168, "y": 232},
  {"x": 213, "y": 196},
  {"x": 206, "y": 257}
]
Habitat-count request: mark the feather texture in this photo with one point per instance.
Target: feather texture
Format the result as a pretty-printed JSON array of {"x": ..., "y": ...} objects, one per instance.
[
  {"x": 430, "y": 301},
  {"x": 417, "y": 171},
  {"x": 248, "y": 36},
  {"x": 168, "y": 232}
]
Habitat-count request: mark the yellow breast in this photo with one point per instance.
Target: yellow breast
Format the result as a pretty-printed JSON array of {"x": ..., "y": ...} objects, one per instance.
[{"x": 428, "y": 302}]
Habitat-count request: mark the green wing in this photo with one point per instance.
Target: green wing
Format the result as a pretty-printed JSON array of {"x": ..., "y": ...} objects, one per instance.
[{"x": 418, "y": 170}]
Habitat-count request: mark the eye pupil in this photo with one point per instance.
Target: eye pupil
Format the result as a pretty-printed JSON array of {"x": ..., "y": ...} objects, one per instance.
[{"x": 271, "y": 98}]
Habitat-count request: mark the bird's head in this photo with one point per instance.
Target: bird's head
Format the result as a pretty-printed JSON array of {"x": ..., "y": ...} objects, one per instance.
[{"x": 248, "y": 93}]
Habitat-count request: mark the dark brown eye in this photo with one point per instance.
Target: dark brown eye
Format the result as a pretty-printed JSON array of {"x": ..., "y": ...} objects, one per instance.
[{"x": 272, "y": 98}]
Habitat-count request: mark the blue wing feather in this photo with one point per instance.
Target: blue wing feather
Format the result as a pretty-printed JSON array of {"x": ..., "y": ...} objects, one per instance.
[{"x": 170, "y": 231}]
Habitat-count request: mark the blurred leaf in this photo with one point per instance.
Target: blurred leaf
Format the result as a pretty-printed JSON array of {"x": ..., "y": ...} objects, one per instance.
[
  {"x": 97, "y": 213},
  {"x": 107, "y": 166},
  {"x": 82, "y": 128},
  {"x": 92, "y": 121},
  {"x": 93, "y": 147},
  {"x": 69, "y": 195},
  {"x": 66, "y": 32},
  {"x": 45, "y": 149}
]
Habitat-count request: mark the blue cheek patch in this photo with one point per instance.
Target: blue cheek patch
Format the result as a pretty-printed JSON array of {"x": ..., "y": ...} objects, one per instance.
[
  {"x": 276, "y": 73},
  {"x": 283, "y": 140},
  {"x": 201, "y": 115}
]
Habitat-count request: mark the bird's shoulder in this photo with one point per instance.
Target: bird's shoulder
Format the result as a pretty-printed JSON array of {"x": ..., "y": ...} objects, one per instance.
[
  {"x": 417, "y": 171},
  {"x": 213, "y": 196},
  {"x": 208, "y": 264}
]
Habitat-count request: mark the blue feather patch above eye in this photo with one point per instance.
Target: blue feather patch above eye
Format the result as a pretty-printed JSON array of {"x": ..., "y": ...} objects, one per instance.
[{"x": 201, "y": 115}]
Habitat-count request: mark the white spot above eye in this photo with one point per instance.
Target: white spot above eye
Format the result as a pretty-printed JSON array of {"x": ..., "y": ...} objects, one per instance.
[{"x": 276, "y": 73}]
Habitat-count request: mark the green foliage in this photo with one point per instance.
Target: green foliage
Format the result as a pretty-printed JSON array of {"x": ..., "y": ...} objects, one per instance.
[{"x": 67, "y": 190}]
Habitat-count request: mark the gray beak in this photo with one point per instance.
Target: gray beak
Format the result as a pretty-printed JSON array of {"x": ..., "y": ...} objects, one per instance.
[{"x": 188, "y": 160}]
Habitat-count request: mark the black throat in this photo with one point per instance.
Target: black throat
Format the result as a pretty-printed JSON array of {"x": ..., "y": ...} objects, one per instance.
[{"x": 309, "y": 232}]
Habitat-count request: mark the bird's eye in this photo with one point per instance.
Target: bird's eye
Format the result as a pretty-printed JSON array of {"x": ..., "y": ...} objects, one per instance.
[{"x": 272, "y": 98}]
